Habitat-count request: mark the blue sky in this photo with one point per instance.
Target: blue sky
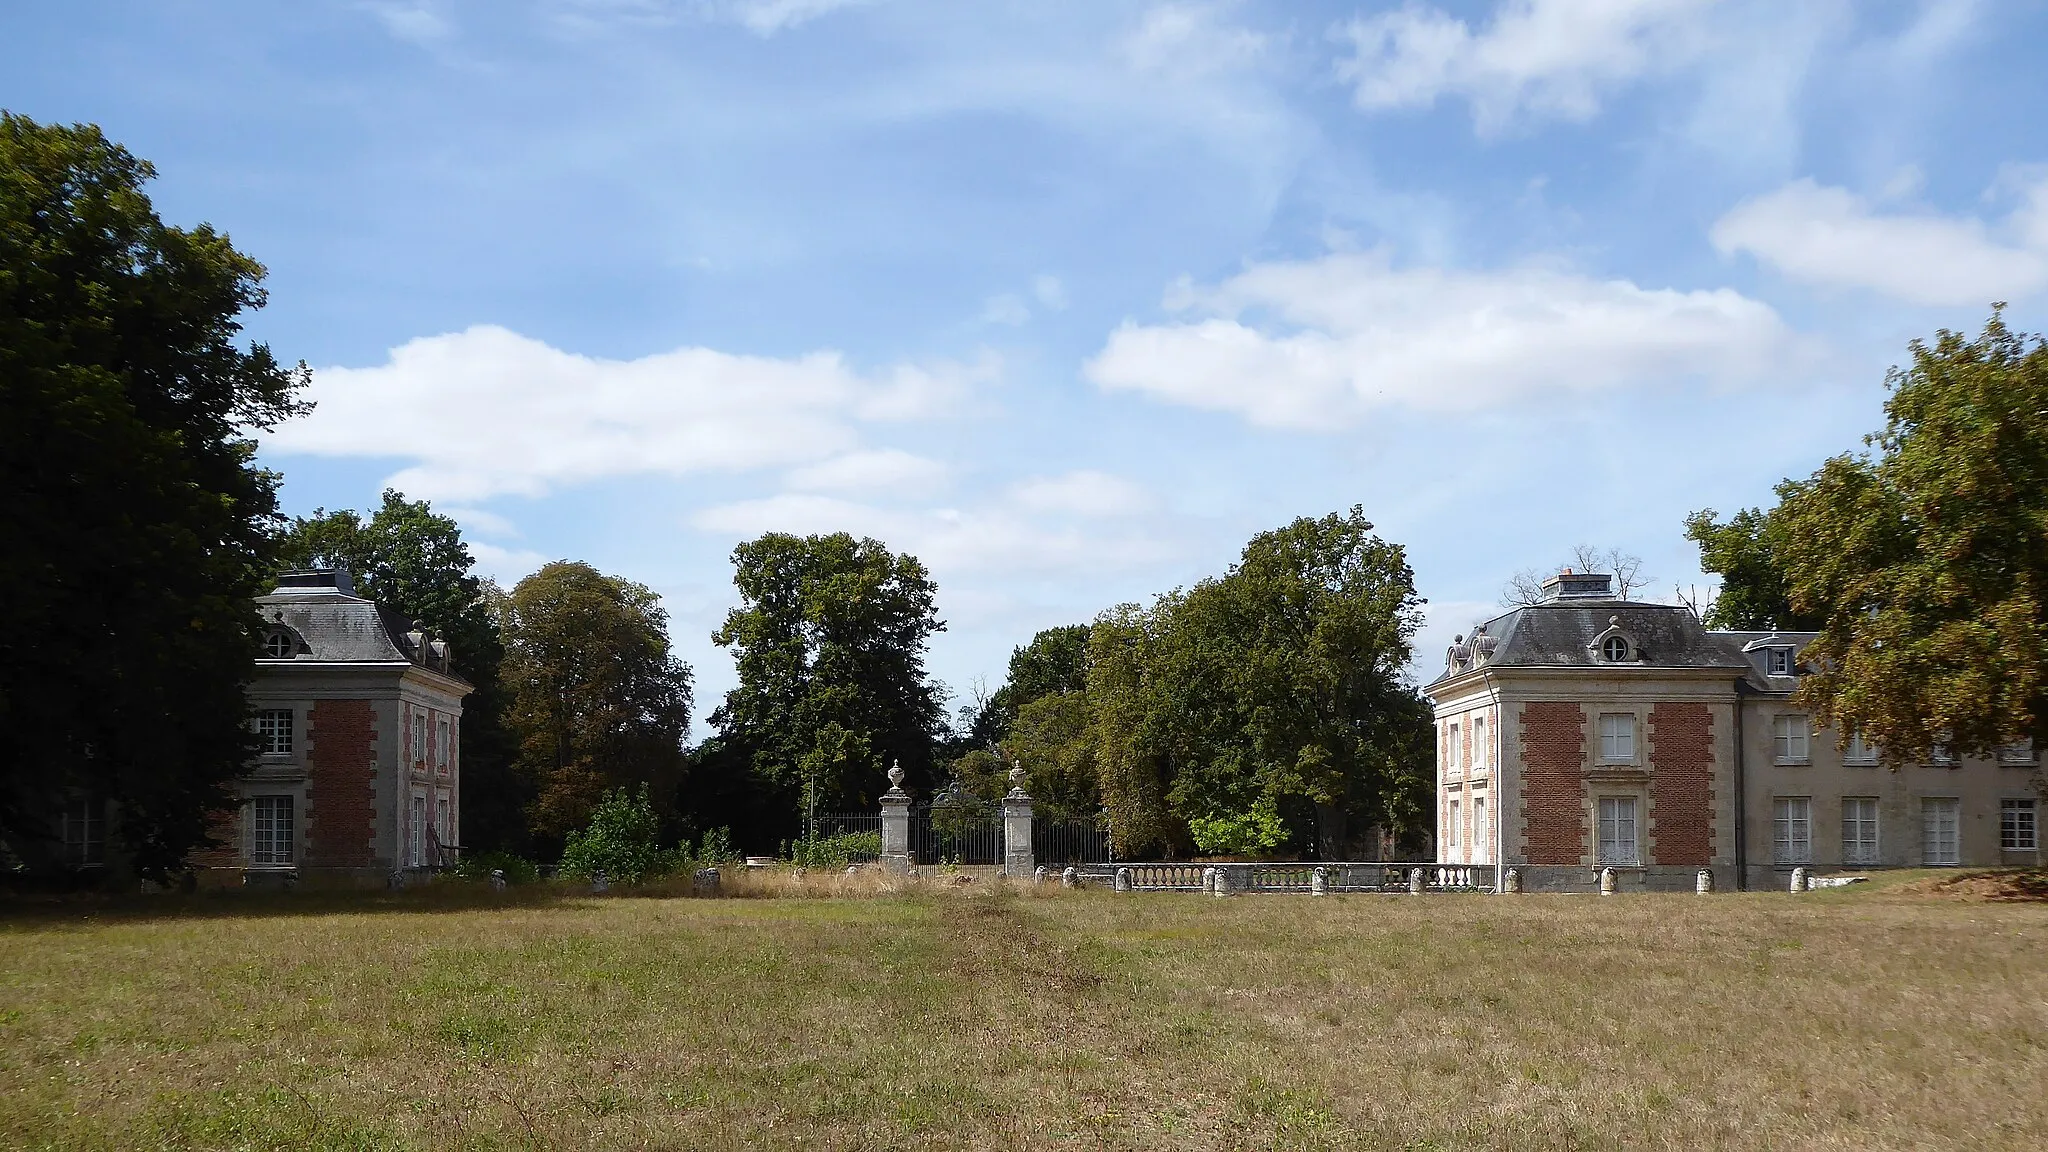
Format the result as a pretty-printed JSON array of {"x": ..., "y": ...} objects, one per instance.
[{"x": 1069, "y": 299}]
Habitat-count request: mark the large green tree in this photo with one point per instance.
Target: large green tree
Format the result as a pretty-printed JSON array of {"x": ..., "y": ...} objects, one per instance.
[
  {"x": 595, "y": 699},
  {"x": 413, "y": 561},
  {"x": 1926, "y": 559},
  {"x": 136, "y": 526},
  {"x": 829, "y": 641},
  {"x": 1055, "y": 661},
  {"x": 1748, "y": 553},
  {"x": 1267, "y": 708}
]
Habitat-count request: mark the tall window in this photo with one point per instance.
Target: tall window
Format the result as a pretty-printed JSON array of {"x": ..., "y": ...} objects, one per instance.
[
  {"x": 1859, "y": 830},
  {"x": 2016, "y": 829},
  {"x": 1617, "y": 738},
  {"x": 270, "y": 830},
  {"x": 1479, "y": 748},
  {"x": 274, "y": 731},
  {"x": 441, "y": 819},
  {"x": 1451, "y": 761},
  {"x": 1940, "y": 830},
  {"x": 441, "y": 746},
  {"x": 1791, "y": 830},
  {"x": 1860, "y": 751},
  {"x": 1778, "y": 661},
  {"x": 1791, "y": 741},
  {"x": 85, "y": 833},
  {"x": 1482, "y": 839},
  {"x": 2018, "y": 752},
  {"x": 1618, "y": 831},
  {"x": 1451, "y": 827},
  {"x": 417, "y": 845},
  {"x": 419, "y": 736},
  {"x": 1940, "y": 754}
]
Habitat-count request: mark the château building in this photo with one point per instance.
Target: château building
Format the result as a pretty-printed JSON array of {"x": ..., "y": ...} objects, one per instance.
[
  {"x": 1588, "y": 731},
  {"x": 358, "y": 721}
]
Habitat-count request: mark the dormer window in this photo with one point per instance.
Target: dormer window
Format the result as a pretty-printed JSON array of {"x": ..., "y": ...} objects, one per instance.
[
  {"x": 1778, "y": 661},
  {"x": 279, "y": 644},
  {"x": 1615, "y": 645},
  {"x": 1615, "y": 649}
]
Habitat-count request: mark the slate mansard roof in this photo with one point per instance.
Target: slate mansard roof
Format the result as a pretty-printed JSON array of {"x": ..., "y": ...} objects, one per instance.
[
  {"x": 1568, "y": 631},
  {"x": 328, "y": 623}
]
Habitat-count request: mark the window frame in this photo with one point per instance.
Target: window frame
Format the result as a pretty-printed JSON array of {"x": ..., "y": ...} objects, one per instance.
[
  {"x": 2012, "y": 828},
  {"x": 2018, "y": 754},
  {"x": 273, "y": 831},
  {"x": 1930, "y": 845},
  {"x": 419, "y": 736},
  {"x": 1625, "y": 853},
  {"x": 1777, "y": 661},
  {"x": 1451, "y": 837},
  {"x": 1627, "y": 732},
  {"x": 444, "y": 731},
  {"x": 1859, "y": 752},
  {"x": 1479, "y": 748},
  {"x": 279, "y": 638},
  {"x": 1859, "y": 850},
  {"x": 271, "y": 734},
  {"x": 1788, "y": 747},
  {"x": 1791, "y": 831},
  {"x": 1453, "y": 762},
  {"x": 83, "y": 836}
]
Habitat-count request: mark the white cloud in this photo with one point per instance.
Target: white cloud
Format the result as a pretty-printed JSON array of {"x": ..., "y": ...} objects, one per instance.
[
  {"x": 1191, "y": 40},
  {"x": 478, "y": 520},
  {"x": 767, "y": 17},
  {"x": 1537, "y": 57},
  {"x": 1830, "y": 236},
  {"x": 1050, "y": 292},
  {"x": 1083, "y": 493},
  {"x": 487, "y": 411},
  {"x": 1006, "y": 308},
  {"x": 1319, "y": 343},
  {"x": 414, "y": 21},
  {"x": 505, "y": 565},
  {"x": 1002, "y": 537},
  {"x": 887, "y": 470}
]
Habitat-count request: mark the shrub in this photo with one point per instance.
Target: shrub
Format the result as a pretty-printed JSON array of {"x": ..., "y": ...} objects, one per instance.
[
  {"x": 621, "y": 841},
  {"x": 717, "y": 848},
  {"x": 1258, "y": 830},
  {"x": 834, "y": 852},
  {"x": 517, "y": 869}
]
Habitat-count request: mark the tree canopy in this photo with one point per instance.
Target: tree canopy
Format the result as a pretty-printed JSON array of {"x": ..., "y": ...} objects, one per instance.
[
  {"x": 1267, "y": 707},
  {"x": 829, "y": 641},
  {"x": 136, "y": 527},
  {"x": 596, "y": 701},
  {"x": 1526, "y": 586},
  {"x": 1925, "y": 561},
  {"x": 1748, "y": 553}
]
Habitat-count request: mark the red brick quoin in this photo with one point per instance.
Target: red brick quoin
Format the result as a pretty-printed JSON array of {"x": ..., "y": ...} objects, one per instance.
[
  {"x": 1682, "y": 783},
  {"x": 342, "y": 784},
  {"x": 1553, "y": 771}
]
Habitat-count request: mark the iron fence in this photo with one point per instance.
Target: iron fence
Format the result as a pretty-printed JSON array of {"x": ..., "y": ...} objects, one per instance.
[
  {"x": 955, "y": 834},
  {"x": 1059, "y": 843}
]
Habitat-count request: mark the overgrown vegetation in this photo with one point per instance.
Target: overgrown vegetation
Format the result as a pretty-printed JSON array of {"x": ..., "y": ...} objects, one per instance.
[{"x": 457, "y": 1018}]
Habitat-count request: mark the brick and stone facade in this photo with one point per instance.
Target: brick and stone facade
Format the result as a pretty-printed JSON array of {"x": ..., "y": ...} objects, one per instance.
[
  {"x": 358, "y": 718},
  {"x": 1588, "y": 731}
]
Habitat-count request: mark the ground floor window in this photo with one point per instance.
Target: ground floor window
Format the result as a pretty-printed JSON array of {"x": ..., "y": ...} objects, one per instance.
[
  {"x": 2016, "y": 829},
  {"x": 1618, "y": 831},
  {"x": 1792, "y": 830},
  {"x": 1940, "y": 831},
  {"x": 85, "y": 833},
  {"x": 416, "y": 846},
  {"x": 1451, "y": 827},
  {"x": 1482, "y": 837},
  {"x": 1859, "y": 830},
  {"x": 270, "y": 830}
]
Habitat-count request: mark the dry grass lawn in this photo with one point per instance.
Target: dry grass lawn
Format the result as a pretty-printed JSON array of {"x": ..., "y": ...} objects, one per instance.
[{"x": 1899, "y": 1017}]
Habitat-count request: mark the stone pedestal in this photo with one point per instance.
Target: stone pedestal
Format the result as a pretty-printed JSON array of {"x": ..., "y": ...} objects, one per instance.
[
  {"x": 1018, "y": 858},
  {"x": 1319, "y": 882},
  {"x": 1703, "y": 883},
  {"x": 1511, "y": 882},
  {"x": 1416, "y": 882},
  {"x": 1607, "y": 881},
  {"x": 896, "y": 824},
  {"x": 1799, "y": 883}
]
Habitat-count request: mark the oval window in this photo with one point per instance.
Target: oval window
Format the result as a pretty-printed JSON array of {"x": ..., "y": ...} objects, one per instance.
[{"x": 1615, "y": 649}]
